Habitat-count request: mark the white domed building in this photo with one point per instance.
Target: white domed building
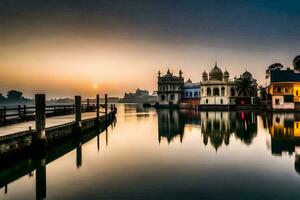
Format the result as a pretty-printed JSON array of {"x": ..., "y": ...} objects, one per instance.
[{"x": 217, "y": 88}]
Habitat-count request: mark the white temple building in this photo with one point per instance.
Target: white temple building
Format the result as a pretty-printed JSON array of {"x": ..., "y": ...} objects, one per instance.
[{"x": 217, "y": 88}]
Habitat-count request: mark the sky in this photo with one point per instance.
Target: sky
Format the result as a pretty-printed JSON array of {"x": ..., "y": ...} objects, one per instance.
[{"x": 69, "y": 47}]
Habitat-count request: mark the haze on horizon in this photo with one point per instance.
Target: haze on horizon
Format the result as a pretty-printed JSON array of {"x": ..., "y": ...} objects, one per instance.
[{"x": 83, "y": 47}]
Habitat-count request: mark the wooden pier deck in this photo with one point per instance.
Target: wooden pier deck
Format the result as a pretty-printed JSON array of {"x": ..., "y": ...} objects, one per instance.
[
  {"x": 24, "y": 136},
  {"x": 50, "y": 122}
]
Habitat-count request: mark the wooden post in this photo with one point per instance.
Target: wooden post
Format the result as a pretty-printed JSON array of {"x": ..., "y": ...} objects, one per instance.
[
  {"x": 40, "y": 116},
  {"x": 24, "y": 111},
  {"x": 105, "y": 107},
  {"x": 111, "y": 107},
  {"x": 88, "y": 104},
  {"x": 73, "y": 109},
  {"x": 78, "y": 110},
  {"x": 19, "y": 111},
  {"x": 97, "y": 104}
]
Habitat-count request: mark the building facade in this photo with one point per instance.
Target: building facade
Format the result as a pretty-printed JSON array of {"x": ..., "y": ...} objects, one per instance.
[
  {"x": 217, "y": 88},
  {"x": 283, "y": 89},
  {"x": 170, "y": 89},
  {"x": 191, "y": 93}
]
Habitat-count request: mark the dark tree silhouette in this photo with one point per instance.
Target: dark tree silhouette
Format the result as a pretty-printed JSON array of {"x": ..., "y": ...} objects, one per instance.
[
  {"x": 263, "y": 92},
  {"x": 275, "y": 66},
  {"x": 246, "y": 87},
  {"x": 296, "y": 63},
  {"x": 2, "y": 98},
  {"x": 14, "y": 95}
]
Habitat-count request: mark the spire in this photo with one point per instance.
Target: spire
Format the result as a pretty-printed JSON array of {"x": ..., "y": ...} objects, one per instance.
[
  {"x": 168, "y": 72},
  {"x": 180, "y": 73},
  {"x": 158, "y": 73},
  {"x": 216, "y": 64}
]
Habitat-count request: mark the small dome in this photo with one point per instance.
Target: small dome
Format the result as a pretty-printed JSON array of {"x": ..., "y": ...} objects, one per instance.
[
  {"x": 247, "y": 74},
  {"x": 204, "y": 74},
  {"x": 216, "y": 74}
]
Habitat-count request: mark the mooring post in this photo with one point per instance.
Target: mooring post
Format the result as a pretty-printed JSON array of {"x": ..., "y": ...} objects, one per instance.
[
  {"x": 19, "y": 111},
  {"x": 73, "y": 108},
  {"x": 40, "y": 116},
  {"x": 97, "y": 104},
  {"x": 78, "y": 111},
  {"x": 105, "y": 108},
  {"x": 87, "y": 104},
  {"x": 24, "y": 111}
]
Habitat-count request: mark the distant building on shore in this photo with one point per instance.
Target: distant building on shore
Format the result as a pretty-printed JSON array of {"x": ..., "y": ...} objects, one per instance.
[
  {"x": 283, "y": 89},
  {"x": 170, "y": 88},
  {"x": 191, "y": 93},
  {"x": 217, "y": 88}
]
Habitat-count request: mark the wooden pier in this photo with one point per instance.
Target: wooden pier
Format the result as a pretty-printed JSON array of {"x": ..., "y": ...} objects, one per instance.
[{"x": 45, "y": 130}]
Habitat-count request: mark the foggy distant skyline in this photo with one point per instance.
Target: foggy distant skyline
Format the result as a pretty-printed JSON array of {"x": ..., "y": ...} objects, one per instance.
[{"x": 81, "y": 47}]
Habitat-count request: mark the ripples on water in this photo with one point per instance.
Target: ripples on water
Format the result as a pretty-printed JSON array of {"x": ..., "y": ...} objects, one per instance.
[{"x": 167, "y": 154}]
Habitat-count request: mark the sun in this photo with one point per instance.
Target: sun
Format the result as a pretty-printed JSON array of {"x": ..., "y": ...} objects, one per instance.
[{"x": 95, "y": 86}]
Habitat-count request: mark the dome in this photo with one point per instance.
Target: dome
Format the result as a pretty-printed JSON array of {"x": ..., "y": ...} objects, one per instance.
[
  {"x": 247, "y": 74},
  {"x": 204, "y": 74},
  {"x": 216, "y": 74}
]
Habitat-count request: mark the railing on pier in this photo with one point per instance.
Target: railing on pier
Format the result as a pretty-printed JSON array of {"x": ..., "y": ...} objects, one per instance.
[{"x": 20, "y": 113}]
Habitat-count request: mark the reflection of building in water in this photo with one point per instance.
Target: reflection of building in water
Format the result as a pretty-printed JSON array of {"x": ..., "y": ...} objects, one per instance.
[
  {"x": 284, "y": 129},
  {"x": 219, "y": 126},
  {"x": 215, "y": 126},
  {"x": 135, "y": 111},
  {"x": 170, "y": 124}
]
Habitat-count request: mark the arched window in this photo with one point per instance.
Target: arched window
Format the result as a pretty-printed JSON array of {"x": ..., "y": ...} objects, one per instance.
[
  {"x": 222, "y": 91},
  {"x": 216, "y": 92},
  {"x": 195, "y": 94},
  {"x": 162, "y": 97},
  {"x": 186, "y": 94},
  {"x": 208, "y": 92},
  {"x": 191, "y": 94},
  {"x": 232, "y": 92},
  {"x": 206, "y": 101},
  {"x": 221, "y": 102}
]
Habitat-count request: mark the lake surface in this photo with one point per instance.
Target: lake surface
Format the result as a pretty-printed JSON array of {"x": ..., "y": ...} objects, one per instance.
[{"x": 168, "y": 155}]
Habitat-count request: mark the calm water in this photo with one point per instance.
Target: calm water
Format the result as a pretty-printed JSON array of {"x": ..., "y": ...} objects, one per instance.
[{"x": 168, "y": 155}]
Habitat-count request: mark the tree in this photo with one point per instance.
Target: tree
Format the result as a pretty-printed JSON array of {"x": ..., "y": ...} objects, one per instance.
[
  {"x": 262, "y": 93},
  {"x": 14, "y": 95},
  {"x": 2, "y": 98},
  {"x": 246, "y": 87},
  {"x": 275, "y": 66}
]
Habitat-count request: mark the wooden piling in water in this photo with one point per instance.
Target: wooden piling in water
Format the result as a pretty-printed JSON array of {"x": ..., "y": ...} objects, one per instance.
[
  {"x": 78, "y": 110},
  {"x": 105, "y": 101},
  {"x": 97, "y": 105},
  {"x": 40, "y": 117},
  {"x": 88, "y": 104}
]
